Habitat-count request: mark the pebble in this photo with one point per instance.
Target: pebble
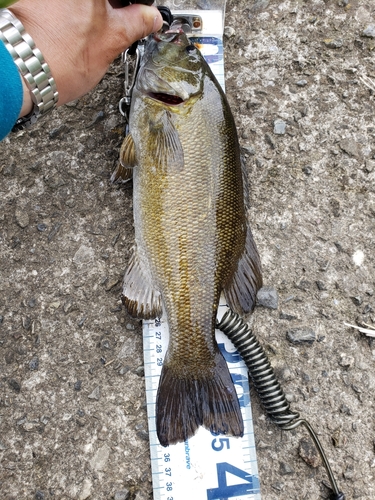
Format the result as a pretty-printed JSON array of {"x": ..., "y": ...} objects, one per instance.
[
  {"x": 229, "y": 31},
  {"x": 55, "y": 132},
  {"x": 357, "y": 300},
  {"x": 95, "y": 394},
  {"x": 27, "y": 322},
  {"x": 122, "y": 495},
  {"x": 349, "y": 146},
  {"x": 22, "y": 217},
  {"x": 78, "y": 385},
  {"x": 270, "y": 141},
  {"x": 285, "y": 469},
  {"x": 248, "y": 150},
  {"x": 287, "y": 316},
  {"x": 268, "y": 297},
  {"x": 140, "y": 371},
  {"x": 321, "y": 285},
  {"x": 86, "y": 490},
  {"x": 333, "y": 44},
  {"x": 260, "y": 5},
  {"x": 358, "y": 257},
  {"x": 14, "y": 385},
  {"x": 83, "y": 255},
  {"x": 39, "y": 495},
  {"x": 302, "y": 83},
  {"x": 301, "y": 335},
  {"x": 54, "y": 231},
  {"x": 277, "y": 486},
  {"x": 308, "y": 452},
  {"x": 111, "y": 283},
  {"x": 100, "y": 459},
  {"x": 81, "y": 322},
  {"x": 369, "y": 31},
  {"x": 31, "y": 303},
  {"x": 41, "y": 227},
  {"x": 279, "y": 127},
  {"x": 9, "y": 357},
  {"x": 34, "y": 364}
]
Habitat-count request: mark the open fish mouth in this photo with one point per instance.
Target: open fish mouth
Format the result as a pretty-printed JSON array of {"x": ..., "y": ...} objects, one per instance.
[{"x": 170, "y": 99}]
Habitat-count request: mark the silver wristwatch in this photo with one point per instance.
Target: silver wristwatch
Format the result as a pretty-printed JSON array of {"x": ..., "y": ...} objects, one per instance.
[{"x": 31, "y": 65}]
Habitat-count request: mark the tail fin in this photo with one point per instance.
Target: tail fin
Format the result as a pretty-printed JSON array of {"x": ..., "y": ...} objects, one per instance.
[{"x": 184, "y": 402}]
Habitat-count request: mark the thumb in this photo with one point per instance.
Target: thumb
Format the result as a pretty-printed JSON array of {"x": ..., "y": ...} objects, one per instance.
[{"x": 137, "y": 21}]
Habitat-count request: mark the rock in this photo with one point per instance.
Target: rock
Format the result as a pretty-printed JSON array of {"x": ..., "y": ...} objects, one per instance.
[
  {"x": 95, "y": 394},
  {"x": 301, "y": 83},
  {"x": 249, "y": 150},
  {"x": 308, "y": 452},
  {"x": 268, "y": 297},
  {"x": 84, "y": 255},
  {"x": 287, "y": 316},
  {"x": 22, "y": 217},
  {"x": 279, "y": 127},
  {"x": 349, "y": 146},
  {"x": 321, "y": 285},
  {"x": 85, "y": 490},
  {"x": 14, "y": 385},
  {"x": 285, "y": 469},
  {"x": 78, "y": 385},
  {"x": 122, "y": 495},
  {"x": 259, "y": 5},
  {"x": 302, "y": 335},
  {"x": 333, "y": 44},
  {"x": 369, "y": 31},
  {"x": 357, "y": 300},
  {"x": 229, "y": 31},
  {"x": 34, "y": 364},
  {"x": 100, "y": 459},
  {"x": 270, "y": 141}
]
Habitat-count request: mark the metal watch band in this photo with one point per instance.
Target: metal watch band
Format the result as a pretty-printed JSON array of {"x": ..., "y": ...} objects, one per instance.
[{"x": 31, "y": 65}]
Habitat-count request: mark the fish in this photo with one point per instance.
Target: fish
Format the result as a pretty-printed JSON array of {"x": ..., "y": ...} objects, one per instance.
[{"x": 193, "y": 240}]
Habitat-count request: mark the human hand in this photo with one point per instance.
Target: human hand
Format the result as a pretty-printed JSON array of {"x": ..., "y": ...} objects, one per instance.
[{"x": 79, "y": 39}]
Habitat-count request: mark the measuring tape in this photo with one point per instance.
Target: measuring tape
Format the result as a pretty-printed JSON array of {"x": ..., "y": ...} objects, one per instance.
[{"x": 207, "y": 466}]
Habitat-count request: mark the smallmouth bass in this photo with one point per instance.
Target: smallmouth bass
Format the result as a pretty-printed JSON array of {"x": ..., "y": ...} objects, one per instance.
[{"x": 192, "y": 238}]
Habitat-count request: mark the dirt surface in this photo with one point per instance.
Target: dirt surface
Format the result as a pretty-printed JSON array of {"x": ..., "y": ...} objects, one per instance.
[{"x": 72, "y": 391}]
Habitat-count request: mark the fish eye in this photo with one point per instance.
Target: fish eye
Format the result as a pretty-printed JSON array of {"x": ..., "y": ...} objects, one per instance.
[{"x": 191, "y": 49}]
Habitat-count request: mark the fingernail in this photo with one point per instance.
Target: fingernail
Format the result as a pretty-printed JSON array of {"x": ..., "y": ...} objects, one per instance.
[{"x": 157, "y": 24}]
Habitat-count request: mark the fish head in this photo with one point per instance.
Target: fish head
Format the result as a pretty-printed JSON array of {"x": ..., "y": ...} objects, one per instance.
[{"x": 172, "y": 68}]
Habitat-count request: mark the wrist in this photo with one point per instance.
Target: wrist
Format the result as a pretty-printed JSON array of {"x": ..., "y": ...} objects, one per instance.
[{"x": 27, "y": 103}]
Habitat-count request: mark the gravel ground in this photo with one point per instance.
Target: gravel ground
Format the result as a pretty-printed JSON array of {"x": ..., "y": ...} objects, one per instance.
[{"x": 301, "y": 83}]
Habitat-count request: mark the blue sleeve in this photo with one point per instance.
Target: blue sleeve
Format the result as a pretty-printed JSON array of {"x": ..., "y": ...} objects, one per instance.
[{"x": 11, "y": 92}]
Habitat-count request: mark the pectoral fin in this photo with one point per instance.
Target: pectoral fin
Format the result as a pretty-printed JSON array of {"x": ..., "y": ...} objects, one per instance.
[
  {"x": 168, "y": 154},
  {"x": 140, "y": 297},
  {"x": 247, "y": 279},
  {"x": 124, "y": 170}
]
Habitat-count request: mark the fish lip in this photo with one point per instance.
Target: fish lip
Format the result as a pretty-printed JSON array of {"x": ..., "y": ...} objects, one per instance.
[{"x": 174, "y": 38}]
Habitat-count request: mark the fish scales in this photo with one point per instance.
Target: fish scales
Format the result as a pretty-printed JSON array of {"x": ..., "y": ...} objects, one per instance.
[{"x": 192, "y": 240}]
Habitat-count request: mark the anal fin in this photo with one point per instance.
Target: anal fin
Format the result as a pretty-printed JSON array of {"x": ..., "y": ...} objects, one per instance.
[
  {"x": 140, "y": 297},
  {"x": 241, "y": 292},
  {"x": 186, "y": 401}
]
